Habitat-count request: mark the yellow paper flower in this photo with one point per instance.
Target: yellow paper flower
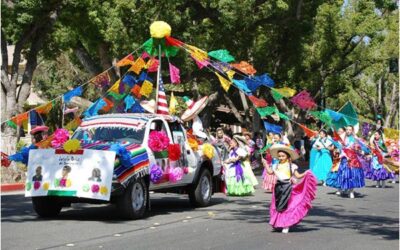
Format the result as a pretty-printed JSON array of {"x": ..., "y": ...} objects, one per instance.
[
  {"x": 146, "y": 89},
  {"x": 160, "y": 29},
  {"x": 72, "y": 145},
  {"x": 103, "y": 190},
  {"x": 208, "y": 150},
  {"x": 193, "y": 144},
  {"x": 68, "y": 184},
  {"x": 46, "y": 186}
]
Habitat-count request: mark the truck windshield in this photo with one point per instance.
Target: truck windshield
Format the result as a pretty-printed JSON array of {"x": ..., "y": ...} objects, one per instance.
[{"x": 110, "y": 134}]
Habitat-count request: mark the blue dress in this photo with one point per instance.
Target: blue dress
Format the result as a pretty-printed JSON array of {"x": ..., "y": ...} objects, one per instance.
[{"x": 321, "y": 161}]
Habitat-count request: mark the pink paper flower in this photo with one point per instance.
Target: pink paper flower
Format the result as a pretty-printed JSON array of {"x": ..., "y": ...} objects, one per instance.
[
  {"x": 158, "y": 141},
  {"x": 95, "y": 188},
  {"x": 61, "y": 135},
  {"x": 175, "y": 174},
  {"x": 36, "y": 185},
  {"x": 63, "y": 182}
]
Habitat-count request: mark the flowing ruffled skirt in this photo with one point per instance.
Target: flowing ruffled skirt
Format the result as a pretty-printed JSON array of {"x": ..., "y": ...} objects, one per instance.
[
  {"x": 239, "y": 187},
  {"x": 320, "y": 163},
  {"x": 269, "y": 182},
  {"x": 350, "y": 177},
  {"x": 299, "y": 203},
  {"x": 378, "y": 172},
  {"x": 249, "y": 172}
]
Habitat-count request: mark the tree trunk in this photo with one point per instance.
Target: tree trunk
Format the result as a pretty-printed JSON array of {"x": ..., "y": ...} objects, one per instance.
[
  {"x": 234, "y": 110},
  {"x": 105, "y": 60},
  {"x": 393, "y": 106},
  {"x": 85, "y": 59}
]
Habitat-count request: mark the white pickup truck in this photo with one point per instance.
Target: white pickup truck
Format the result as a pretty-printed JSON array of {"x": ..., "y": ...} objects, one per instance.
[{"x": 132, "y": 196}]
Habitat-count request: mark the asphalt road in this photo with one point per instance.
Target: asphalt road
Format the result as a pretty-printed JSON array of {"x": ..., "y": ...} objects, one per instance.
[{"x": 371, "y": 221}]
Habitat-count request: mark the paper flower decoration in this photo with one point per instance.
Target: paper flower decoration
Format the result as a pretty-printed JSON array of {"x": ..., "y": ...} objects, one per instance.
[
  {"x": 28, "y": 186},
  {"x": 160, "y": 29},
  {"x": 68, "y": 183},
  {"x": 36, "y": 185},
  {"x": 103, "y": 190},
  {"x": 185, "y": 170},
  {"x": 46, "y": 186},
  {"x": 72, "y": 145},
  {"x": 156, "y": 173},
  {"x": 175, "y": 174},
  {"x": 193, "y": 144},
  {"x": 95, "y": 188},
  {"x": 60, "y": 137},
  {"x": 86, "y": 188},
  {"x": 208, "y": 150},
  {"x": 174, "y": 152},
  {"x": 63, "y": 182},
  {"x": 158, "y": 141},
  {"x": 56, "y": 182}
]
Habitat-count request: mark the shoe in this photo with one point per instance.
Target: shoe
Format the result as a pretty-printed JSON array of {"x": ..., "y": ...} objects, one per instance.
[
  {"x": 324, "y": 184},
  {"x": 394, "y": 182},
  {"x": 351, "y": 195},
  {"x": 377, "y": 186},
  {"x": 285, "y": 230},
  {"x": 338, "y": 193}
]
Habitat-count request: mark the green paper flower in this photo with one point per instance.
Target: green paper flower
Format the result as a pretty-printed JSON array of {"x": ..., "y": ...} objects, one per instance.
[
  {"x": 86, "y": 188},
  {"x": 28, "y": 186}
]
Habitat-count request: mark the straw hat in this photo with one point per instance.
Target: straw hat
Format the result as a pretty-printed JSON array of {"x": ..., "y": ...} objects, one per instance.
[
  {"x": 194, "y": 108},
  {"x": 274, "y": 149},
  {"x": 240, "y": 140},
  {"x": 39, "y": 129},
  {"x": 149, "y": 106}
]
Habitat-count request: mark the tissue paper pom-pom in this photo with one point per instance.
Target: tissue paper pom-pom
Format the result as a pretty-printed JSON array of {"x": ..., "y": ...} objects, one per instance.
[
  {"x": 56, "y": 182},
  {"x": 175, "y": 174},
  {"x": 95, "y": 188},
  {"x": 86, "y": 188},
  {"x": 61, "y": 135},
  {"x": 46, "y": 186},
  {"x": 63, "y": 182},
  {"x": 72, "y": 145},
  {"x": 36, "y": 185},
  {"x": 160, "y": 29},
  {"x": 103, "y": 190},
  {"x": 156, "y": 173},
  {"x": 68, "y": 183},
  {"x": 185, "y": 170},
  {"x": 174, "y": 152},
  {"x": 158, "y": 141},
  {"x": 208, "y": 150},
  {"x": 28, "y": 186},
  {"x": 193, "y": 144}
]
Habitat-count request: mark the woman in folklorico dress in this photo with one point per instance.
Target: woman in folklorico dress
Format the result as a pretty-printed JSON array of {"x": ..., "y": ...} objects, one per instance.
[
  {"x": 238, "y": 182},
  {"x": 377, "y": 170},
  {"x": 291, "y": 198},
  {"x": 350, "y": 173},
  {"x": 320, "y": 157}
]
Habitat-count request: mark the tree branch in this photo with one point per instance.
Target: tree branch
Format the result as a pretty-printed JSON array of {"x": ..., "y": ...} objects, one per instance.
[{"x": 4, "y": 53}]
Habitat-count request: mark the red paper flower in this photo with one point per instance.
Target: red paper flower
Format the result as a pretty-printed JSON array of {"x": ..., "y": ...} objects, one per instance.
[
  {"x": 174, "y": 152},
  {"x": 158, "y": 141}
]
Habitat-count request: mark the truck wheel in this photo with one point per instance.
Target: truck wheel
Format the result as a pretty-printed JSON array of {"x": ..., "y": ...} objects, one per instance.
[
  {"x": 46, "y": 206},
  {"x": 132, "y": 204},
  {"x": 200, "y": 193}
]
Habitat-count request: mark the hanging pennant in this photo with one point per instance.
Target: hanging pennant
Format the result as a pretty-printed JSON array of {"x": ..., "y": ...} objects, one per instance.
[
  {"x": 121, "y": 88},
  {"x": 129, "y": 80},
  {"x": 286, "y": 92},
  {"x": 117, "y": 96},
  {"x": 303, "y": 100},
  {"x": 127, "y": 61},
  {"x": 173, "y": 103},
  {"x": 46, "y": 143},
  {"x": 129, "y": 101},
  {"x": 258, "y": 102},
  {"x": 136, "y": 91},
  {"x": 72, "y": 125},
  {"x": 265, "y": 80},
  {"x": 144, "y": 76},
  {"x": 115, "y": 87},
  {"x": 174, "y": 74},
  {"x": 102, "y": 80},
  {"x": 19, "y": 119},
  {"x": 152, "y": 65},
  {"x": 241, "y": 85},
  {"x": 137, "y": 66},
  {"x": 309, "y": 133},
  {"x": 12, "y": 124},
  {"x": 197, "y": 54},
  {"x": 276, "y": 95},
  {"x": 269, "y": 127},
  {"x": 252, "y": 84},
  {"x": 224, "y": 82},
  {"x": 283, "y": 116},
  {"x": 95, "y": 107},
  {"x": 230, "y": 74},
  {"x": 136, "y": 108},
  {"x": 334, "y": 115},
  {"x": 75, "y": 92},
  {"x": 173, "y": 42},
  {"x": 200, "y": 64},
  {"x": 109, "y": 105},
  {"x": 44, "y": 109},
  {"x": 35, "y": 119},
  {"x": 148, "y": 46},
  {"x": 244, "y": 67},
  {"x": 146, "y": 89},
  {"x": 322, "y": 116},
  {"x": 266, "y": 111},
  {"x": 223, "y": 55}
]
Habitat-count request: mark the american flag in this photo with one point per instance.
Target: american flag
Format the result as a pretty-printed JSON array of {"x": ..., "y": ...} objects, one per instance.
[{"x": 162, "y": 105}]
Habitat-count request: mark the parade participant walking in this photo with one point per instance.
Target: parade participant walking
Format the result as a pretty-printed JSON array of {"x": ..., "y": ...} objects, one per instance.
[
  {"x": 377, "y": 170},
  {"x": 250, "y": 148},
  {"x": 350, "y": 173},
  {"x": 290, "y": 200},
  {"x": 222, "y": 142},
  {"x": 238, "y": 182},
  {"x": 320, "y": 157}
]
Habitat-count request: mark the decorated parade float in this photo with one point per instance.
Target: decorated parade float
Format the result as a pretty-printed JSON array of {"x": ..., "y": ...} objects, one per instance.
[{"x": 129, "y": 144}]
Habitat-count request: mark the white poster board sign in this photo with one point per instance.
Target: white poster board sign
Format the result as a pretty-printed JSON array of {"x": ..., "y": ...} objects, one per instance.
[{"x": 85, "y": 173}]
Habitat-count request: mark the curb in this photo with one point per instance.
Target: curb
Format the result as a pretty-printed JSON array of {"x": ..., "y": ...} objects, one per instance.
[{"x": 12, "y": 187}]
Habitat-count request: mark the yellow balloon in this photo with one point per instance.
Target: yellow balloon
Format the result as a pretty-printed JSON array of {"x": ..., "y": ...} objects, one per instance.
[
  {"x": 160, "y": 29},
  {"x": 72, "y": 145}
]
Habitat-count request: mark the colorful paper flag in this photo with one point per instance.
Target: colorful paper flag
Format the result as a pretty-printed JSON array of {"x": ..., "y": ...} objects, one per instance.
[
  {"x": 258, "y": 102},
  {"x": 136, "y": 91},
  {"x": 102, "y": 79},
  {"x": 223, "y": 55},
  {"x": 286, "y": 92},
  {"x": 265, "y": 80},
  {"x": 127, "y": 61},
  {"x": 146, "y": 89},
  {"x": 75, "y": 92},
  {"x": 309, "y": 132},
  {"x": 303, "y": 100},
  {"x": 244, "y": 67},
  {"x": 269, "y": 127},
  {"x": 224, "y": 82},
  {"x": 241, "y": 85},
  {"x": 137, "y": 66},
  {"x": 115, "y": 87},
  {"x": 173, "y": 103},
  {"x": 44, "y": 109},
  {"x": 109, "y": 105},
  {"x": 174, "y": 74},
  {"x": 72, "y": 125},
  {"x": 129, "y": 101}
]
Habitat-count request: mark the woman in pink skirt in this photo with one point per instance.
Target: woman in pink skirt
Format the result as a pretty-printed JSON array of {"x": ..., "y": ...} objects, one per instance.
[{"x": 293, "y": 192}]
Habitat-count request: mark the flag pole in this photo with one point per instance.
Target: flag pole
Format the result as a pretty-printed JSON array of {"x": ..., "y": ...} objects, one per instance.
[{"x": 158, "y": 76}]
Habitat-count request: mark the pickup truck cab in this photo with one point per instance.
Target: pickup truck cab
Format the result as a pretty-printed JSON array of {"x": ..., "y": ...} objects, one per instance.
[{"x": 132, "y": 194}]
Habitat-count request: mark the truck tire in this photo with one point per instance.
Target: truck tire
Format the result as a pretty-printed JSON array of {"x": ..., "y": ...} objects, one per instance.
[
  {"x": 200, "y": 193},
  {"x": 132, "y": 204},
  {"x": 46, "y": 206}
]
